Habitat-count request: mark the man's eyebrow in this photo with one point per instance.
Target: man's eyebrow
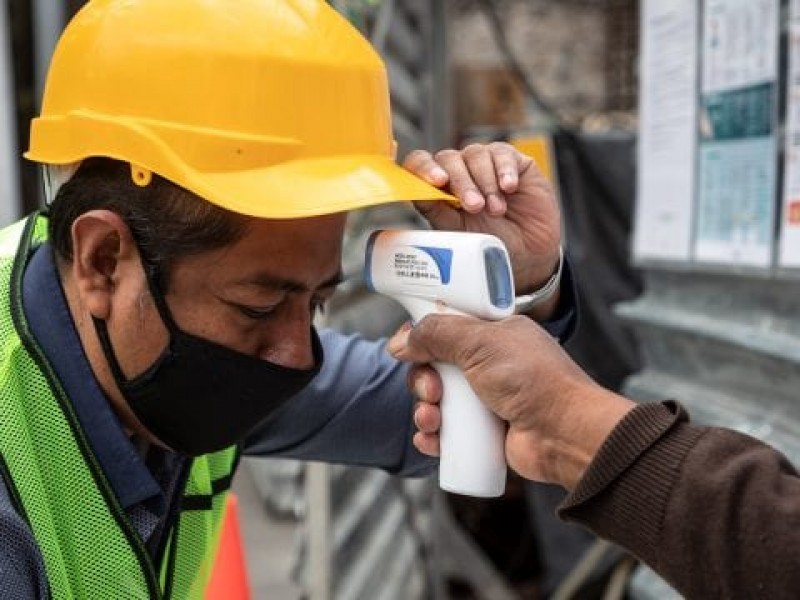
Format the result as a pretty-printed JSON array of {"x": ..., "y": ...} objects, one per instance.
[
  {"x": 332, "y": 281},
  {"x": 287, "y": 284}
]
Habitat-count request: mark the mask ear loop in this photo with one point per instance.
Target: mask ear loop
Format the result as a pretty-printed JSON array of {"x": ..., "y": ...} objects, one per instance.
[
  {"x": 108, "y": 349},
  {"x": 152, "y": 273},
  {"x": 104, "y": 337},
  {"x": 152, "y": 276}
]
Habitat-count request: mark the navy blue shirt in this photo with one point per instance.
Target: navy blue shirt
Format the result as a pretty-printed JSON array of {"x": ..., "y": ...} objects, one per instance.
[
  {"x": 51, "y": 324},
  {"x": 356, "y": 411}
]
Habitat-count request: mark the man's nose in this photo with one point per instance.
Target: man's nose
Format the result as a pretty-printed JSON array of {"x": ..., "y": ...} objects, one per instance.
[{"x": 291, "y": 344}]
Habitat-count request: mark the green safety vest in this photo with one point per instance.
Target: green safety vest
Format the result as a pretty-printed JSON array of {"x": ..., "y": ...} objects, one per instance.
[{"x": 90, "y": 548}]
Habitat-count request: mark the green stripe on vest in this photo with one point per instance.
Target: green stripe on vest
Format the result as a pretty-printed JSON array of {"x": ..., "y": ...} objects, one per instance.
[{"x": 90, "y": 548}]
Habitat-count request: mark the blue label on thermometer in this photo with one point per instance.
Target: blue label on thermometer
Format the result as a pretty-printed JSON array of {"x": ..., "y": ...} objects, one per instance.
[
  {"x": 443, "y": 257},
  {"x": 422, "y": 265}
]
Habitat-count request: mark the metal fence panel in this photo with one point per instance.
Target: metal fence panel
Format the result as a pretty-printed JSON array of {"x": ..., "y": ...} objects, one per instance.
[{"x": 368, "y": 535}]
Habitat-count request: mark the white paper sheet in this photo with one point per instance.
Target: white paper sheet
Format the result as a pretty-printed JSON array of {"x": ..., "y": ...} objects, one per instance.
[
  {"x": 737, "y": 174},
  {"x": 789, "y": 255},
  {"x": 667, "y": 129}
]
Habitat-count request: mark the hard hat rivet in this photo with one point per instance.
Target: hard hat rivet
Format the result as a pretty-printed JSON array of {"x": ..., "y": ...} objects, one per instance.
[{"x": 141, "y": 176}]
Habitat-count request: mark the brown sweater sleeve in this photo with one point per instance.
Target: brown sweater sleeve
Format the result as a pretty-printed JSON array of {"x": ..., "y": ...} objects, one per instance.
[{"x": 714, "y": 512}]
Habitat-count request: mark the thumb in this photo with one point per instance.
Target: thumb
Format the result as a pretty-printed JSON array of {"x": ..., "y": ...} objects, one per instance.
[{"x": 443, "y": 338}]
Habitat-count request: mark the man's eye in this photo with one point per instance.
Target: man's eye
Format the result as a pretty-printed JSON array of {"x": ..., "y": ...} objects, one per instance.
[{"x": 257, "y": 314}]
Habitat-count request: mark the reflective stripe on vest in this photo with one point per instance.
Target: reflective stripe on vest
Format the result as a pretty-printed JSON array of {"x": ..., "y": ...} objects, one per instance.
[{"x": 90, "y": 548}]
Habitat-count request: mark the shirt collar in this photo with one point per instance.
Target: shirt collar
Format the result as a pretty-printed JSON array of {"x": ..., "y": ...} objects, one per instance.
[{"x": 51, "y": 323}]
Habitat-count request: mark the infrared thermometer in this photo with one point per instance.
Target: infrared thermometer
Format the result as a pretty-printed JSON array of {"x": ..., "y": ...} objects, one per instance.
[{"x": 452, "y": 273}]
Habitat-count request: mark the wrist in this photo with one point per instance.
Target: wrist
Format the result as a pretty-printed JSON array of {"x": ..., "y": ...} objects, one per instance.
[
  {"x": 575, "y": 441},
  {"x": 540, "y": 301},
  {"x": 603, "y": 411},
  {"x": 546, "y": 310}
]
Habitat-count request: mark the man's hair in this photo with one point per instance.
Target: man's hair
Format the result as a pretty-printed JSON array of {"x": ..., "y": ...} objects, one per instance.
[{"x": 167, "y": 221}]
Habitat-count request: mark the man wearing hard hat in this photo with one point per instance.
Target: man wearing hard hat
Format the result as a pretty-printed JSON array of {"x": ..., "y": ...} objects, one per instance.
[{"x": 200, "y": 157}]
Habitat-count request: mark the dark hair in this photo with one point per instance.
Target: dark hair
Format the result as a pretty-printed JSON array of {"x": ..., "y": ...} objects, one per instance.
[{"x": 167, "y": 221}]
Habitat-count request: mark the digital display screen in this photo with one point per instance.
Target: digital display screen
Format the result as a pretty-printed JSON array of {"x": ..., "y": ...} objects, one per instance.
[{"x": 498, "y": 277}]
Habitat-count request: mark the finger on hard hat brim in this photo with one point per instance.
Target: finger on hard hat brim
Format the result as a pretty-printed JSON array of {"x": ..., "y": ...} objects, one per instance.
[{"x": 314, "y": 187}]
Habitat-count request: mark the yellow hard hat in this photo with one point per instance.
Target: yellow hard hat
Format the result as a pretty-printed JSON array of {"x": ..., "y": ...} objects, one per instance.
[{"x": 266, "y": 108}]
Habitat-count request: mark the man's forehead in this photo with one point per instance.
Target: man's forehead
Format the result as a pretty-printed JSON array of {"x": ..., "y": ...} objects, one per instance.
[
  {"x": 328, "y": 228},
  {"x": 297, "y": 254},
  {"x": 288, "y": 283}
]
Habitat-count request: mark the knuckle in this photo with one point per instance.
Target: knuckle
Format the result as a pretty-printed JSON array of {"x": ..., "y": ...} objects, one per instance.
[
  {"x": 418, "y": 153},
  {"x": 473, "y": 150},
  {"x": 430, "y": 328},
  {"x": 502, "y": 148},
  {"x": 445, "y": 154},
  {"x": 417, "y": 157},
  {"x": 429, "y": 332},
  {"x": 490, "y": 188},
  {"x": 461, "y": 182},
  {"x": 526, "y": 162}
]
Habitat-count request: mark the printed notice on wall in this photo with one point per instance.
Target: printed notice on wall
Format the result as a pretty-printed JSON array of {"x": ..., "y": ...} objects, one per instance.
[
  {"x": 790, "y": 217},
  {"x": 667, "y": 129},
  {"x": 737, "y": 173}
]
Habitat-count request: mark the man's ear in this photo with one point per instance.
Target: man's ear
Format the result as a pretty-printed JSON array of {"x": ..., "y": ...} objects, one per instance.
[{"x": 102, "y": 248}]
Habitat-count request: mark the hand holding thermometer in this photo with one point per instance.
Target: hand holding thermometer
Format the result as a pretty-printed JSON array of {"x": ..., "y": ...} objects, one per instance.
[{"x": 452, "y": 273}]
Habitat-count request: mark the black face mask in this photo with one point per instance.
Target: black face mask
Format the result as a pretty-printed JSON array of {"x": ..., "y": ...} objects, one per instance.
[{"x": 199, "y": 396}]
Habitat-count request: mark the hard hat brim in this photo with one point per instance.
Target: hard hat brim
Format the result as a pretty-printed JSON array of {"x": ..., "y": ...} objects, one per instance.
[{"x": 313, "y": 187}]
